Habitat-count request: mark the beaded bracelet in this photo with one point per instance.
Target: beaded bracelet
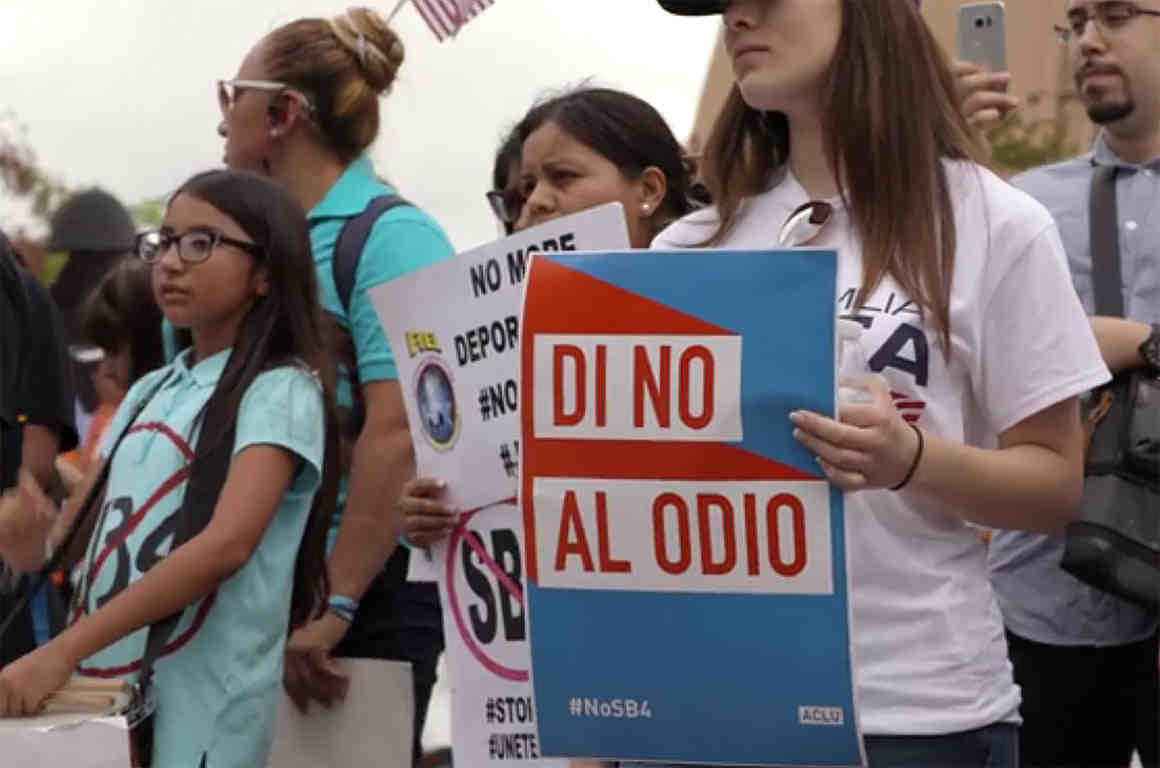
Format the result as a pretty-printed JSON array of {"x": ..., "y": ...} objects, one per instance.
[
  {"x": 917, "y": 459},
  {"x": 343, "y": 607}
]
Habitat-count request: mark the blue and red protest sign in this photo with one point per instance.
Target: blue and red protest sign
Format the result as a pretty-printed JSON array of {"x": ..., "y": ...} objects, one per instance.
[{"x": 686, "y": 583}]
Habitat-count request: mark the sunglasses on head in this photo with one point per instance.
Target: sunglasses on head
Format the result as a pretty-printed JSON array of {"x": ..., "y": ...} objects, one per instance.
[
  {"x": 805, "y": 223},
  {"x": 228, "y": 92}
]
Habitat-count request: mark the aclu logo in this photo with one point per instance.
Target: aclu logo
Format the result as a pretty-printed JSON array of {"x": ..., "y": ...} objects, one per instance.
[{"x": 821, "y": 716}]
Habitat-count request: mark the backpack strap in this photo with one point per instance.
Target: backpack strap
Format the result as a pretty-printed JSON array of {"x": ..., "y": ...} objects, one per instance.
[
  {"x": 207, "y": 477},
  {"x": 351, "y": 242},
  {"x": 89, "y": 506},
  {"x": 348, "y": 251},
  {"x": 1104, "y": 228}
]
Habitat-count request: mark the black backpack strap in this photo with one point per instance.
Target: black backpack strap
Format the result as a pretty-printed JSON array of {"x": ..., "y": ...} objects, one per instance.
[
  {"x": 206, "y": 478},
  {"x": 1107, "y": 283},
  {"x": 89, "y": 507},
  {"x": 348, "y": 251},
  {"x": 351, "y": 241}
]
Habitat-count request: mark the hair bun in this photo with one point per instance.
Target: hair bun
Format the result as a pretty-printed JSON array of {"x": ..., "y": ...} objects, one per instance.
[{"x": 373, "y": 44}]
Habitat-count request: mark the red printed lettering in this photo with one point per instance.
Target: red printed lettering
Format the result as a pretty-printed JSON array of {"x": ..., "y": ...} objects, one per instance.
[
  {"x": 772, "y": 517},
  {"x": 659, "y": 386},
  {"x": 561, "y": 416},
  {"x": 608, "y": 564},
  {"x": 702, "y": 354},
  {"x": 706, "y": 502},
  {"x": 660, "y": 535},
  {"x": 572, "y": 540}
]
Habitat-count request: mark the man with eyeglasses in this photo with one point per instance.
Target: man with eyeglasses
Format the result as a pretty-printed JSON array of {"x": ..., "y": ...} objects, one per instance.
[{"x": 1086, "y": 660}]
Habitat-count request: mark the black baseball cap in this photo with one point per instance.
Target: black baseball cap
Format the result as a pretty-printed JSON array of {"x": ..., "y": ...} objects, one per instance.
[
  {"x": 694, "y": 7},
  {"x": 705, "y": 7}
]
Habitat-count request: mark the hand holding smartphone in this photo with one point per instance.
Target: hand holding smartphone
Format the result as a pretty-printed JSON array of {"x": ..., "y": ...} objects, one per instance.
[
  {"x": 982, "y": 33},
  {"x": 982, "y": 63}
]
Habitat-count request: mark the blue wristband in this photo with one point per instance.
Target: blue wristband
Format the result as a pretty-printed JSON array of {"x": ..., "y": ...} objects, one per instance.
[{"x": 343, "y": 607}]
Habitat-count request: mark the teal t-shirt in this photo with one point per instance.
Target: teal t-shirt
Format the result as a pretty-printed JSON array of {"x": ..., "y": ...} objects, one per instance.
[
  {"x": 403, "y": 239},
  {"x": 218, "y": 682}
]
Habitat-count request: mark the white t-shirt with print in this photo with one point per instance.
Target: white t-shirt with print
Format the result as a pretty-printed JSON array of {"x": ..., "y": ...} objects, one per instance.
[{"x": 929, "y": 651}]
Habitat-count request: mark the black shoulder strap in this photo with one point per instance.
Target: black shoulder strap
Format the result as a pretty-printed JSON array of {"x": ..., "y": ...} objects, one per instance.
[
  {"x": 207, "y": 476},
  {"x": 88, "y": 507},
  {"x": 351, "y": 241},
  {"x": 1105, "y": 243}
]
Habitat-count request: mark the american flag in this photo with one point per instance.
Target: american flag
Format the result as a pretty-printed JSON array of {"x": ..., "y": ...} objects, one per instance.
[{"x": 446, "y": 17}]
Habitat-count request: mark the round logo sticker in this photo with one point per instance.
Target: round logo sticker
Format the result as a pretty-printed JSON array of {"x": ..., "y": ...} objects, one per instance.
[{"x": 438, "y": 411}]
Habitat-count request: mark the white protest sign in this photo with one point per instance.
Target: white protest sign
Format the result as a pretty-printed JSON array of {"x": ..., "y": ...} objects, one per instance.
[
  {"x": 370, "y": 728},
  {"x": 57, "y": 740},
  {"x": 454, "y": 328},
  {"x": 485, "y": 628}
]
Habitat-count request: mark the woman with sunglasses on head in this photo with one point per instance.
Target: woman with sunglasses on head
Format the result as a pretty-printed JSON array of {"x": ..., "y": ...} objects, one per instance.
[
  {"x": 304, "y": 109},
  {"x": 215, "y": 492},
  {"x": 845, "y": 112}
]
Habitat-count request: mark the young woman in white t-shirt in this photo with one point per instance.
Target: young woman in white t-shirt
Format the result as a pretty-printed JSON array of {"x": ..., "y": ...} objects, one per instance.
[{"x": 969, "y": 317}]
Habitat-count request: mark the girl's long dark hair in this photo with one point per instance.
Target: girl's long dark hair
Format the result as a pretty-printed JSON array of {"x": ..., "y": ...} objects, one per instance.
[{"x": 283, "y": 328}]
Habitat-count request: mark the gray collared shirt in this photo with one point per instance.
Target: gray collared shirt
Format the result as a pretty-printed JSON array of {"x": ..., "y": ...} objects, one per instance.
[{"x": 1039, "y": 600}]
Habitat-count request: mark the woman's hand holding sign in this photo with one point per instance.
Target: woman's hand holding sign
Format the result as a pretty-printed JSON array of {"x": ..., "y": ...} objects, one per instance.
[
  {"x": 870, "y": 446},
  {"x": 426, "y": 520},
  {"x": 26, "y": 683}
]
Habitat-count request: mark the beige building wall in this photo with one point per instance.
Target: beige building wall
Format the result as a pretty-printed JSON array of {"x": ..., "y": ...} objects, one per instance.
[{"x": 1036, "y": 59}]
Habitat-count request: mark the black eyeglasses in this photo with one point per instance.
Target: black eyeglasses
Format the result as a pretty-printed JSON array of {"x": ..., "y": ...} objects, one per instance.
[
  {"x": 1109, "y": 16},
  {"x": 804, "y": 224},
  {"x": 506, "y": 204},
  {"x": 193, "y": 246}
]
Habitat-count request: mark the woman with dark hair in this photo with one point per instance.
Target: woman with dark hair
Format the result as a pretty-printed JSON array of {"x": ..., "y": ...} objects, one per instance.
[
  {"x": 303, "y": 109},
  {"x": 843, "y": 131},
  {"x": 592, "y": 146},
  {"x": 583, "y": 148},
  {"x": 246, "y": 415}
]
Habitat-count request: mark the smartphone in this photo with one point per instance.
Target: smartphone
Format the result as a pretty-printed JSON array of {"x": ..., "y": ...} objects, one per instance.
[{"x": 983, "y": 35}]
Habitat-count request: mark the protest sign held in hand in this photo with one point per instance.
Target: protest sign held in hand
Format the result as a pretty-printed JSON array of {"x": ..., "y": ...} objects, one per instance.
[
  {"x": 685, "y": 556},
  {"x": 454, "y": 328},
  {"x": 485, "y": 627}
]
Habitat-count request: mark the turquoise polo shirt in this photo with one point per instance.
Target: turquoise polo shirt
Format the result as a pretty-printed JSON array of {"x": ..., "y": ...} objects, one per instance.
[
  {"x": 219, "y": 680},
  {"x": 403, "y": 240}
]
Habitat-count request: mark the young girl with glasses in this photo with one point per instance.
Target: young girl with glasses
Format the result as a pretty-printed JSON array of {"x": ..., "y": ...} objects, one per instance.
[
  {"x": 970, "y": 322},
  {"x": 232, "y": 265}
]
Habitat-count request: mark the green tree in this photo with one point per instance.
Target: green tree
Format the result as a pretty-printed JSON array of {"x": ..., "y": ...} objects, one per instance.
[
  {"x": 20, "y": 174},
  {"x": 148, "y": 213},
  {"x": 1020, "y": 143}
]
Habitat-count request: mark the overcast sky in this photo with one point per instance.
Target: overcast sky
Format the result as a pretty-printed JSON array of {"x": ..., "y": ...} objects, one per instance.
[{"x": 120, "y": 93}]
